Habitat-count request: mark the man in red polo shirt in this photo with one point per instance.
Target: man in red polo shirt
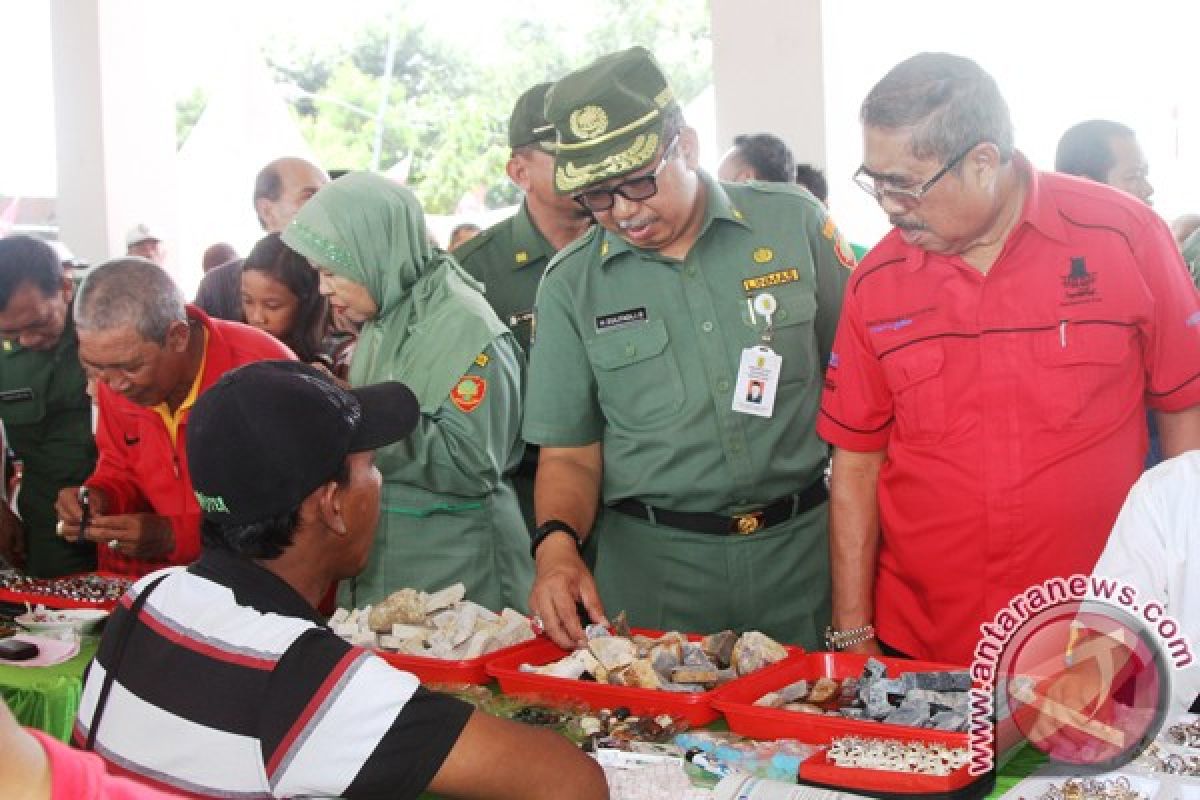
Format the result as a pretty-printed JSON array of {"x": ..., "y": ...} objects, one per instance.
[
  {"x": 147, "y": 357},
  {"x": 994, "y": 359}
]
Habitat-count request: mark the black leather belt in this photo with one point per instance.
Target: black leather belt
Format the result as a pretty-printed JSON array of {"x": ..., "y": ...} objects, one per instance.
[{"x": 773, "y": 513}]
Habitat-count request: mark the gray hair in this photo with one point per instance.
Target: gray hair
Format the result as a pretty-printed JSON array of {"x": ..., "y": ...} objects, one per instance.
[
  {"x": 130, "y": 291},
  {"x": 948, "y": 101}
]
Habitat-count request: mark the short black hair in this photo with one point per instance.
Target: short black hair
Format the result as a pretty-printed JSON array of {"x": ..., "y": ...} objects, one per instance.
[
  {"x": 264, "y": 539},
  {"x": 24, "y": 259},
  {"x": 272, "y": 257},
  {"x": 768, "y": 155},
  {"x": 813, "y": 179},
  {"x": 1084, "y": 149}
]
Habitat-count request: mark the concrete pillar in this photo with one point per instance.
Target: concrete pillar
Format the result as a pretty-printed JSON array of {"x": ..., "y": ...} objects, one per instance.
[
  {"x": 115, "y": 122},
  {"x": 768, "y": 70}
]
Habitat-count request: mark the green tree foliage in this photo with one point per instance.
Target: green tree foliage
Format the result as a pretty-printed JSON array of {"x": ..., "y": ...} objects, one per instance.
[
  {"x": 187, "y": 114},
  {"x": 449, "y": 113}
]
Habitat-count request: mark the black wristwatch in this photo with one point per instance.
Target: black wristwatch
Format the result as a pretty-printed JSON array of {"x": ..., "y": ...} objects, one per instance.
[{"x": 553, "y": 526}]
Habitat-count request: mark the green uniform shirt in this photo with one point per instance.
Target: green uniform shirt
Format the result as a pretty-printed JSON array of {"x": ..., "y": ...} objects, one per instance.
[
  {"x": 449, "y": 513},
  {"x": 509, "y": 259},
  {"x": 641, "y": 352},
  {"x": 48, "y": 416}
]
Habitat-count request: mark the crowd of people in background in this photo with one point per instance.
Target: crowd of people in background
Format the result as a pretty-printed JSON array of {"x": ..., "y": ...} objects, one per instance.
[{"x": 653, "y": 390}]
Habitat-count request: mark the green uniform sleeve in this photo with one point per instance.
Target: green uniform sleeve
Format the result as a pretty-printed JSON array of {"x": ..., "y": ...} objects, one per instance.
[
  {"x": 460, "y": 449},
  {"x": 562, "y": 407}
]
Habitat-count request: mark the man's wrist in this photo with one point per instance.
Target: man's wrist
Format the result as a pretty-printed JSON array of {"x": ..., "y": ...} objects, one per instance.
[{"x": 549, "y": 528}]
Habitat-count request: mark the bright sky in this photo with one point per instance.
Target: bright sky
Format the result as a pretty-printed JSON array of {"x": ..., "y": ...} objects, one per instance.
[{"x": 1057, "y": 62}]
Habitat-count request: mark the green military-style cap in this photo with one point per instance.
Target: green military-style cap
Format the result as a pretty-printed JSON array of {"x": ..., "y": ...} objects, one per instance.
[
  {"x": 608, "y": 117},
  {"x": 528, "y": 124}
]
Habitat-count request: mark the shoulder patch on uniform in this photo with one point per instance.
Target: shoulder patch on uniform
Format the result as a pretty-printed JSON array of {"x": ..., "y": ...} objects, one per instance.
[
  {"x": 468, "y": 393},
  {"x": 482, "y": 360},
  {"x": 841, "y": 248}
]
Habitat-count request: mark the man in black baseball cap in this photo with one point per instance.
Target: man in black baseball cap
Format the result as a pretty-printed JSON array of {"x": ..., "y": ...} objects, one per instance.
[{"x": 231, "y": 649}]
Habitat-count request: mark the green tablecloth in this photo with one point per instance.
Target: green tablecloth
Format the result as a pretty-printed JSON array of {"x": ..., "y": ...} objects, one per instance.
[
  {"x": 47, "y": 698},
  {"x": 1021, "y": 766}
]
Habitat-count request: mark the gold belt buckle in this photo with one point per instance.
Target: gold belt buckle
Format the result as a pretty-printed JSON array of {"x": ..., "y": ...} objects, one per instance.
[{"x": 748, "y": 523}]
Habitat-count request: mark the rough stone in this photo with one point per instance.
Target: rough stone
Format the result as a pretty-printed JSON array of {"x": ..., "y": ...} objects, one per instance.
[
  {"x": 877, "y": 705},
  {"x": 874, "y": 670},
  {"x": 949, "y": 721}
]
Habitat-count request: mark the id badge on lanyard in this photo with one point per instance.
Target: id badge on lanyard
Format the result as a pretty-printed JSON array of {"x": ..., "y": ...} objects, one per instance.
[{"x": 758, "y": 370}]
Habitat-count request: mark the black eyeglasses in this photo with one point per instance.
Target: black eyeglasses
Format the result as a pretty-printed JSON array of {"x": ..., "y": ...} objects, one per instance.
[
  {"x": 879, "y": 189},
  {"x": 642, "y": 187}
]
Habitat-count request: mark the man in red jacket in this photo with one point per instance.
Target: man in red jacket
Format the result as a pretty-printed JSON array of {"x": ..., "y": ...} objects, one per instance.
[{"x": 148, "y": 356}]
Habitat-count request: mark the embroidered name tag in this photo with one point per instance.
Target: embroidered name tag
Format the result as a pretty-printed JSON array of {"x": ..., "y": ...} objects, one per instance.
[
  {"x": 776, "y": 278},
  {"x": 621, "y": 318},
  {"x": 16, "y": 395}
]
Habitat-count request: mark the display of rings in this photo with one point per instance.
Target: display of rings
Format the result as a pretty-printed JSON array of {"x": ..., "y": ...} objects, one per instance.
[
  {"x": 892, "y": 755},
  {"x": 114, "y": 544},
  {"x": 58, "y": 527},
  {"x": 1185, "y": 733},
  {"x": 1160, "y": 760},
  {"x": 1093, "y": 789}
]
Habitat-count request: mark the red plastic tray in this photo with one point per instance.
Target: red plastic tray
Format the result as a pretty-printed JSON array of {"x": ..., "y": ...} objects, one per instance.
[
  {"x": 56, "y": 602},
  {"x": 437, "y": 670},
  {"x": 694, "y": 707},
  {"x": 817, "y": 769},
  {"x": 737, "y": 703}
]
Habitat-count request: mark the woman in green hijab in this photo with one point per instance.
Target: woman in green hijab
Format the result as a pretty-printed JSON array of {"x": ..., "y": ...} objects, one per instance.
[{"x": 448, "y": 512}]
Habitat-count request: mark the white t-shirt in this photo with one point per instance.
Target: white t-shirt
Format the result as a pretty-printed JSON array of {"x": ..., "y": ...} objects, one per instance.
[{"x": 1155, "y": 547}]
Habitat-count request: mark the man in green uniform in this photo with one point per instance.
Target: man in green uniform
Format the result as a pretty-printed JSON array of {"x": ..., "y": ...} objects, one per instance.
[
  {"x": 44, "y": 405},
  {"x": 675, "y": 379},
  {"x": 510, "y": 257}
]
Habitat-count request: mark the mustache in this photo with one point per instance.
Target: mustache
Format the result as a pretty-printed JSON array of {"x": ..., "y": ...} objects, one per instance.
[{"x": 906, "y": 224}]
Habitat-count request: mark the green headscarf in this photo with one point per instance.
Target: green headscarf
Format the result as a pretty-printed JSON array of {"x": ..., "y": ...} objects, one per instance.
[{"x": 432, "y": 321}]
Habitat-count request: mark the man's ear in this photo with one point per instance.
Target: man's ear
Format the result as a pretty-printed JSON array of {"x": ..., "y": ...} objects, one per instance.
[
  {"x": 68, "y": 290},
  {"x": 329, "y": 507},
  {"x": 518, "y": 172},
  {"x": 266, "y": 213},
  {"x": 689, "y": 144},
  {"x": 984, "y": 161},
  {"x": 177, "y": 336}
]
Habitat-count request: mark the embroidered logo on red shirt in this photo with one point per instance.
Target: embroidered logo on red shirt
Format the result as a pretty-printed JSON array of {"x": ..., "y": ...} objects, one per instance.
[{"x": 1079, "y": 285}]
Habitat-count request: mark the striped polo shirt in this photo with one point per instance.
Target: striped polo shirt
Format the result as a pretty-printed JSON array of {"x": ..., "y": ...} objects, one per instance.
[{"x": 229, "y": 685}]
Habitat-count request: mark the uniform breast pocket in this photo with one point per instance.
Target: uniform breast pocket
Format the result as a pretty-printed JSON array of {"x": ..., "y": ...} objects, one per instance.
[
  {"x": 793, "y": 336},
  {"x": 22, "y": 406},
  {"x": 1085, "y": 374},
  {"x": 636, "y": 374},
  {"x": 914, "y": 374}
]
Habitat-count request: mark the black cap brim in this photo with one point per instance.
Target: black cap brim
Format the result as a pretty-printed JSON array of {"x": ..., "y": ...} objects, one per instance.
[{"x": 390, "y": 412}]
